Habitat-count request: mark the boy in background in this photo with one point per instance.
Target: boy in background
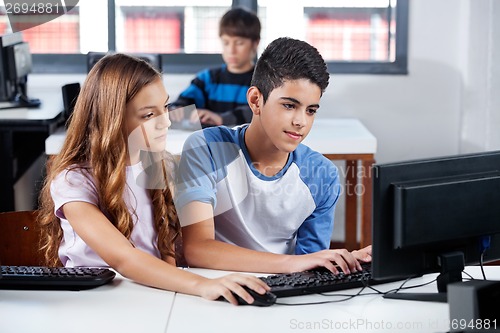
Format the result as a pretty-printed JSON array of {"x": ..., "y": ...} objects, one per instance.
[
  {"x": 253, "y": 198},
  {"x": 219, "y": 94}
]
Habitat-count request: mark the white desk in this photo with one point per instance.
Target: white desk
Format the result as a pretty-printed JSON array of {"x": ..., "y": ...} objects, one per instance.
[
  {"x": 370, "y": 313},
  {"x": 124, "y": 306},
  {"x": 51, "y": 107},
  {"x": 328, "y": 136},
  {"x": 337, "y": 139}
]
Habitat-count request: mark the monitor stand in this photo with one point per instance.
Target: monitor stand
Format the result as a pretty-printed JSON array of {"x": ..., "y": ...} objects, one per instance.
[
  {"x": 452, "y": 265},
  {"x": 422, "y": 297},
  {"x": 20, "y": 101}
]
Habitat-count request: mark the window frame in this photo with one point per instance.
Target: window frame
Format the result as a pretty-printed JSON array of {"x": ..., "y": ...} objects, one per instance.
[
  {"x": 398, "y": 67},
  {"x": 192, "y": 63}
]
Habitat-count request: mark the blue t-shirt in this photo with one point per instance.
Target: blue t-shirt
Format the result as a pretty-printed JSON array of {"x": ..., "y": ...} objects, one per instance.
[{"x": 290, "y": 212}]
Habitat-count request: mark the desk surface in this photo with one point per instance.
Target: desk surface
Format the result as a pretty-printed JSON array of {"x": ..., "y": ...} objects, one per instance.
[
  {"x": 328, "y": 136},
  {"x": 124, "y": 306},
  {"x": 50, "y": 108},
  {"x": 368, "y": 313}
]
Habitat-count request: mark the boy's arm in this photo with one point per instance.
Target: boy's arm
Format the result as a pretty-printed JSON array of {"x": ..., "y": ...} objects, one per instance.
[
  {"x": 202, "y": 250},
  {"x": 315, "y": 232},
  {"x": 194, "y": 93}
]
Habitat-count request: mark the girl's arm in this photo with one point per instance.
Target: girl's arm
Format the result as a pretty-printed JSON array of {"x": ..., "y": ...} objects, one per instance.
[{"x": 100, "y": 235}]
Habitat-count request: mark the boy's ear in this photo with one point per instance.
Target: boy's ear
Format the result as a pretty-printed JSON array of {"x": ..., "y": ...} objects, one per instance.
[{"x": 254, "y": 98}]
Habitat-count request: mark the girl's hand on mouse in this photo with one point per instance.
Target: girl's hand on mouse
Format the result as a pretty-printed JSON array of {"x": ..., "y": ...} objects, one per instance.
[{"x": 225, "y": 286}]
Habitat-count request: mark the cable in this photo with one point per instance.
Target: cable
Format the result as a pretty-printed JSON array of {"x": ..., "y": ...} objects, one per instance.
[
  {"x": 378, "y": 292},
  {"x": 484, "y": 246},
  {"x": 402, "y": 287},
  {"x": 481, "y": 264},
  {"x": 346, "y": 298},
  {"x": 359, "y": 293}
]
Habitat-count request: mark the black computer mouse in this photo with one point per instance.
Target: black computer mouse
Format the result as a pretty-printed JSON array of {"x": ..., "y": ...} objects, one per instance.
[{"x": 266, "y": 299}]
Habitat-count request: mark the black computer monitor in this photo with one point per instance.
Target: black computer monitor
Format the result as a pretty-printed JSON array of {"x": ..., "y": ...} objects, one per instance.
[
  {"x": 435, "y": 215},
  {"x": 151, "y": 58},
  {"x": 15, "y": 62}
]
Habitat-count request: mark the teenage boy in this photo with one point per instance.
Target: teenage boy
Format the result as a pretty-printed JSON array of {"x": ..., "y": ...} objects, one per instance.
[
  {"x": 254, "y": 198},
  {"x": 219, "y": 94}
]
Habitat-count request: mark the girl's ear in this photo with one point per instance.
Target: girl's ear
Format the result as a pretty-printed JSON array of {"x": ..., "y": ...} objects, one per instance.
[{"x": 254, "y": 98}]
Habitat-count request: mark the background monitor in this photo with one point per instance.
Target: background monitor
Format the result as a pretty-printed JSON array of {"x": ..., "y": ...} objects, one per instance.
[
  {"x": 435, "y": 215},
  {"x": 20, "y": 57},
  {"x": 15, "y": 62},
  {"x": 153, "y": 59},
  {"x": 70, "y": 94}
]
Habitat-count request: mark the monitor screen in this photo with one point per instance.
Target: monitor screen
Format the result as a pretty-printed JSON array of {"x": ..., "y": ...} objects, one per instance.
[
  {"x": 19, "y": 59},
  {"x": 8, "y": 87},
  {"x": 15, "y": 62},
  {"x": 435, "y": 215}
]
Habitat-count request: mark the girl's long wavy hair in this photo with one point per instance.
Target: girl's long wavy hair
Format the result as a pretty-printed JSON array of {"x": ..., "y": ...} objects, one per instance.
[{"x": 96, "y": 141}]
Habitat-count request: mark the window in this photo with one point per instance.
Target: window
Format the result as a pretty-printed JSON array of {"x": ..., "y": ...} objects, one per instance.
[
  {"x": 354, "y": 36},
  {"x": 168, "y": 29}
]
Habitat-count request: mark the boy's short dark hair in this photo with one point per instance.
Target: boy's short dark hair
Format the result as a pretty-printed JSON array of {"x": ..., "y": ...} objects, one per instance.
[
  {"x": 240, "y": 22},
  {"x": 289, "y": 59}
]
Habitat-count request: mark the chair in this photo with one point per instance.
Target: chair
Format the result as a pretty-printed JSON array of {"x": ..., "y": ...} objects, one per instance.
[{"x": 19, "y": 239}]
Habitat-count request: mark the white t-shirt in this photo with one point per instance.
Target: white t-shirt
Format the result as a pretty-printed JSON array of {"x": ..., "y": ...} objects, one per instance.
[
  {"x": 288, "y": 213},
  {"x": 78, "y": 185}
]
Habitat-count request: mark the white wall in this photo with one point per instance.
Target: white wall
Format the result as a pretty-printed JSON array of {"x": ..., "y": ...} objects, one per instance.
[
  {"x": 481, "y": 101},
  {"x": 416, "y": 115}
]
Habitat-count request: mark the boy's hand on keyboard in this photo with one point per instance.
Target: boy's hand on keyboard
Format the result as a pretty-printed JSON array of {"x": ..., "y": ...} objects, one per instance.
[
  {"x": 225, "y": 286},
  {"x": 330, "y": 259},
  {"x": 364, "y": 254}
]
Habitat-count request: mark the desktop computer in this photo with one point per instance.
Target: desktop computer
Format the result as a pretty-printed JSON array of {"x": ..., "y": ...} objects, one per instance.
[
  {"x": 435, "y": 216},
  {"x": 15, "y": 64}
]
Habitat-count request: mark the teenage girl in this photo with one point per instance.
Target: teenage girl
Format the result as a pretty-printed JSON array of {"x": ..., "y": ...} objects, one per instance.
[{"x": 107, "y": 199}]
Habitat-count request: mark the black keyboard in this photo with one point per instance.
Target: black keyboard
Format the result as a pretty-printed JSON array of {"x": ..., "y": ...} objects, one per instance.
[
  {"x": 53, "y": 278},
  {"x": 318, "y": 280}
]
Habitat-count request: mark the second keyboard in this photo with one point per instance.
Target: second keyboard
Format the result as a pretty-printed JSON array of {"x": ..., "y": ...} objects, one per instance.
[
  {"x": 54, "y": 278},
  {"x": 317, "y": 281}
]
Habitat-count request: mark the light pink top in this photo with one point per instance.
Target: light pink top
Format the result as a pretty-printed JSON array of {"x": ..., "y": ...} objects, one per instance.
[{"x": 78, "y": 185}]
